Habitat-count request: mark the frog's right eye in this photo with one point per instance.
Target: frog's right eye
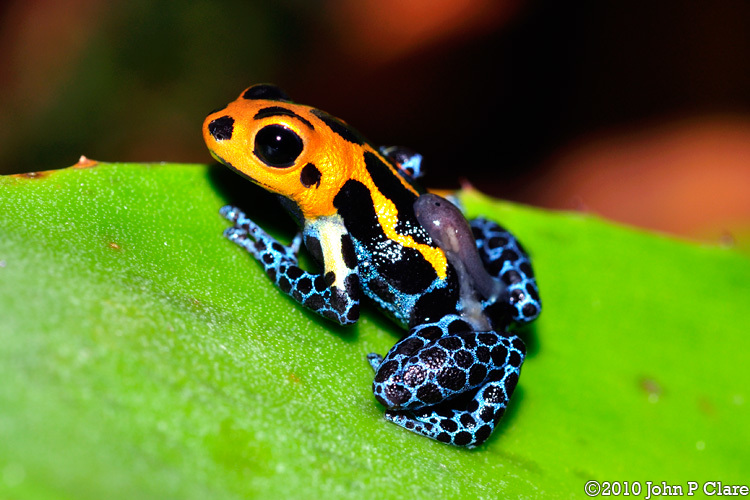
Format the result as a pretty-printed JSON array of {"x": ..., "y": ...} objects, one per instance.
[{"x": 277, "y": 146}]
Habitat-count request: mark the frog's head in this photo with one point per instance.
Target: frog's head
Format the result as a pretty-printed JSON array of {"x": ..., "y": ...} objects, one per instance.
[{"x": 296, "y": 151}]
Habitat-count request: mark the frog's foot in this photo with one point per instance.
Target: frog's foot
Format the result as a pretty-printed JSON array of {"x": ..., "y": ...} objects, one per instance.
[
  {"x": 425, "y": 373},
  {"x": 375, "y": 360},
  {"x": 256, "y": 241},
  {"x": 463, "y": 421},
  {"x": 505, "y": 258}
]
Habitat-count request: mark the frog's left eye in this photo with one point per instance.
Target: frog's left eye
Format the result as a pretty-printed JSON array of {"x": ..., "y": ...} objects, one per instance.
[{"x": 277, "y": 146}]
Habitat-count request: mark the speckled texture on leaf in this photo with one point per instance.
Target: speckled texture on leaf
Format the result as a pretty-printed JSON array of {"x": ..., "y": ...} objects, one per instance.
[{"x": 143, "y": 356}]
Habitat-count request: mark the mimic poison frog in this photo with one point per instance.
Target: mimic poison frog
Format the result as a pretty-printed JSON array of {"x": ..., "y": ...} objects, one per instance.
[{"x": 456, "y": 286}]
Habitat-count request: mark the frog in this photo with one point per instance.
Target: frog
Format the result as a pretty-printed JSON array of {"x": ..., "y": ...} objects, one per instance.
[{"x": 457, "y": 287}]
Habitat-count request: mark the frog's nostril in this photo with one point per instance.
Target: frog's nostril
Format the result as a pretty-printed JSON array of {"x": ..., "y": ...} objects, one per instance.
[{"x": 221, "y": 128}]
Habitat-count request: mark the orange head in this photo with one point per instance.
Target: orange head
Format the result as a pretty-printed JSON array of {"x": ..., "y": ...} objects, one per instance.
[{"x": 296, "y": 151}]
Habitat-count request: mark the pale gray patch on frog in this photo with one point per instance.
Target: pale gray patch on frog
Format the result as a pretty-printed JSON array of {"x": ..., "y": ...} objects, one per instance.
[{"x": 446, "y": 225}]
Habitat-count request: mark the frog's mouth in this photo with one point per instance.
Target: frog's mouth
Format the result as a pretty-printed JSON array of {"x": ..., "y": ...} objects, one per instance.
[{"x": 243, "y": 174}]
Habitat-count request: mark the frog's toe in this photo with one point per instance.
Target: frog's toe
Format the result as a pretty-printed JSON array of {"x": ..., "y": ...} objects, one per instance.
[{"x": 375, "y": 360}]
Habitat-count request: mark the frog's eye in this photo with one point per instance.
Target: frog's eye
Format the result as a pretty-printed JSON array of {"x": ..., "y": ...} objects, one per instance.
[{"x": 277, "y": 146}]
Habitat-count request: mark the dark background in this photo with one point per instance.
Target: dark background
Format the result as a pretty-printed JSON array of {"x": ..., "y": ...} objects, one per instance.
[{"x": 639, "y": 111}]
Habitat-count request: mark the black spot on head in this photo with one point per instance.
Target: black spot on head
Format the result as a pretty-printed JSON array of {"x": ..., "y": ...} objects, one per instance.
[
  {"x": 266, "y": 92},
  {"x": 221, "y": 128},
  {"x": 279, "y": 111},
  {"x": 338, "y": 127},
  {"x": 327, "y": 313},
  {"x": 310, "y": 176},
  {"x": 351, "y": 285}
]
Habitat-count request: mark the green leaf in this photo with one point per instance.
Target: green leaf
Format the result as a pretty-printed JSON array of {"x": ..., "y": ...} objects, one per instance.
[{"x": 144, "y": 356}]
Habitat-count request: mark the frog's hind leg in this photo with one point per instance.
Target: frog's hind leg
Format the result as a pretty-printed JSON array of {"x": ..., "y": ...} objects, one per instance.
[
  {"x": 505, "y": 259},
  {"x": 452, "y": 387},
  {"x": 465, "y": 421}
]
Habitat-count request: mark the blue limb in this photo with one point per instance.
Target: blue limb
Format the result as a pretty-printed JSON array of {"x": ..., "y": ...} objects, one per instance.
[
  {"x": 505, "y": 258},
  {"x": 452, "y": 387},
  {"x": 315, "y": 291}
]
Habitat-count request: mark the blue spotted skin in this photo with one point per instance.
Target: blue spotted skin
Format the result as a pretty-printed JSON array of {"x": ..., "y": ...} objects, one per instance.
[
  {"x": 442, "y": 380},
  {"x": 316, "y": 291},
  {"x": 451, "y": 377},
  {"x": 506, "y": 259}
]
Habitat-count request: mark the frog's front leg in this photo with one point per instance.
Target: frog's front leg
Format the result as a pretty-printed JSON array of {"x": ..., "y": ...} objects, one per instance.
[
  {"x": 447, "y": 385},
  {"x": 333, "y": 294}
]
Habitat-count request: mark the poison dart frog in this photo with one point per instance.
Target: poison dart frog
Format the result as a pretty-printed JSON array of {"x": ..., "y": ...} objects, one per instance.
[{"x": 455, "y": 286}]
